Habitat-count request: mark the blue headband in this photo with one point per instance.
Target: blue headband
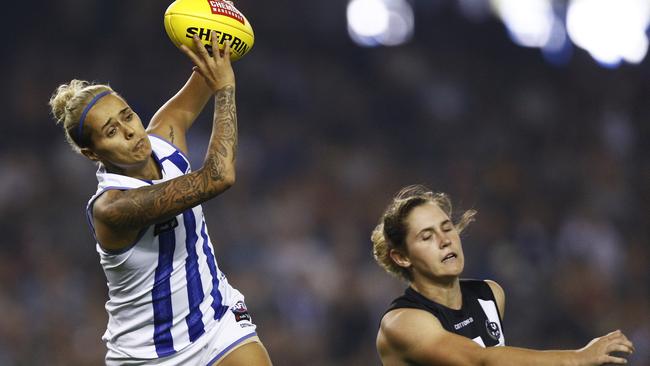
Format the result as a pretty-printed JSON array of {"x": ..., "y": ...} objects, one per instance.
[{"x": 97, "y": 97}]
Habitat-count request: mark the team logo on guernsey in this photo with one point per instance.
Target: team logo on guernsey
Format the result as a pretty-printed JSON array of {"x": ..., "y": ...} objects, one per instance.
[
  {"x": 493, "y": 329},
  {"x": 226, "y": 8},
  {"x": 240, "y": 311}
]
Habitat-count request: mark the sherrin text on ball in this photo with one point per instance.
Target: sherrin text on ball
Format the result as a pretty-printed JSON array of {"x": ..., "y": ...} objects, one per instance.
[{"x": 186, "y": 18}]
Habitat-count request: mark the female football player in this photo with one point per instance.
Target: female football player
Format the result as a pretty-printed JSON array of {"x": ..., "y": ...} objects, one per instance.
[
  {"x": 441, "y": 319},
  {"x": 169, "y": 304}
]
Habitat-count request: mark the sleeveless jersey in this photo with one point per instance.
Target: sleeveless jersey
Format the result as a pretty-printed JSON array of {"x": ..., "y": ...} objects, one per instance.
[
  {"x": 165, "y": 290},
  {"x": 478, "y": 319}
]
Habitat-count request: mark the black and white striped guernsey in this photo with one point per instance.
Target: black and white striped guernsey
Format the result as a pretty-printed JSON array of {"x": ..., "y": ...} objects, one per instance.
[{"x": 478, "y": 319}]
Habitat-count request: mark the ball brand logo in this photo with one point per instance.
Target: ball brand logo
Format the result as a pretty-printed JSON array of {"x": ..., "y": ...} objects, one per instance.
[
  {"x": 221, "y": 7},
  {"x": 237, "y": 44}
]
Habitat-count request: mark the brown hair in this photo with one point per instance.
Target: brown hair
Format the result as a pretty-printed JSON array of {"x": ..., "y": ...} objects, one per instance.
[
  {"x": 67, "y": 103},
  {"x": 390, "y": 233}
]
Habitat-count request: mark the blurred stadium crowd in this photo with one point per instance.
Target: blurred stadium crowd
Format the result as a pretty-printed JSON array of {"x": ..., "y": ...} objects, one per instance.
[{"x": 555, "y": 159}]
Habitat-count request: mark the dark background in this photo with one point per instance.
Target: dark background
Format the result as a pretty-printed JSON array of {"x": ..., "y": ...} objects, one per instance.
[{"x": 555, "y": 159}]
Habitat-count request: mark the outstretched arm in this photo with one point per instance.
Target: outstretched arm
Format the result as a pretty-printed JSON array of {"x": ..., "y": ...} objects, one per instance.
[
  {"x": 120, "y": 215},
  {"x": 410, "y": 336},
  {"x": 175, "y": 117}
]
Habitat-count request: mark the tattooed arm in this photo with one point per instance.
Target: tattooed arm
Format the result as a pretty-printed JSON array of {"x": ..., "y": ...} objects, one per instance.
[
  {"x": 175, "y": 117},
  {"x": 120, "y": 215}
]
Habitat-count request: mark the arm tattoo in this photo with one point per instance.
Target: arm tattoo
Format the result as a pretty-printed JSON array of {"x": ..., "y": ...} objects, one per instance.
[
  {"x": 225, "y": 122},
  {"x": 141, "y": 207},
  {"x": 171, "y": 134}
]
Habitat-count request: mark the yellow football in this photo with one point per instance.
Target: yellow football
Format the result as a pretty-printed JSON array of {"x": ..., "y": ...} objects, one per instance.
[{"x": 185, "y": 18}]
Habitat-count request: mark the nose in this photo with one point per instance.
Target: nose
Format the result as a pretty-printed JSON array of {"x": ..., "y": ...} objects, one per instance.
[
  {"x": 445, "y": 240},
  {"x": 128, "y": 131}
]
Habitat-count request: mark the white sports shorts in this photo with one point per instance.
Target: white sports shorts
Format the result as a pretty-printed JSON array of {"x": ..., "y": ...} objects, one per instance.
[{"x": 230, "y": 331}]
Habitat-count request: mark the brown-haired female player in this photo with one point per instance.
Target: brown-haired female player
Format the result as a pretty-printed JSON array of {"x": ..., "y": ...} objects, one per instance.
[
  {"x": 441, "y": 319},
  {"x": 169, "y": 304}
]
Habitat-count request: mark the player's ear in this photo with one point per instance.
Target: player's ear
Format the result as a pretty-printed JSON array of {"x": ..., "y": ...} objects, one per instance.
[
  {"x": 89, "y": 154},
  {"x": 400, "y": 258}
]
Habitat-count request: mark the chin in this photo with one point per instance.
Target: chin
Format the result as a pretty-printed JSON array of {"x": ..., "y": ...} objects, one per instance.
[
  {"x": 454, "y": 272},
  {"x": 141, "y": 157},
  {"x": 446, "y": 274}
]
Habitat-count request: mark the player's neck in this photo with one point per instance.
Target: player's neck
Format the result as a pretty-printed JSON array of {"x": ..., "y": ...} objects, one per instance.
[{"x": 444, "y": 293}]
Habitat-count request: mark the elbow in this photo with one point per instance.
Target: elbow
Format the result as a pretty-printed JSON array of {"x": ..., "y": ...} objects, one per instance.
[
  {"x": 222, "y": 183},
  {"x": 228, "y": 180},
  {"x": 228, "y": 176},
  {"x": 220, "y": 176}
]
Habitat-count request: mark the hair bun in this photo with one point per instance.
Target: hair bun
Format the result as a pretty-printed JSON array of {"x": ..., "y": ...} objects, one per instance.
[{"x": 63, "y": 94}]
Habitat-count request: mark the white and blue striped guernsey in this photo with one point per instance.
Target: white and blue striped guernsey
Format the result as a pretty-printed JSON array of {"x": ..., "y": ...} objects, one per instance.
[{"x": 166, "y": 289}]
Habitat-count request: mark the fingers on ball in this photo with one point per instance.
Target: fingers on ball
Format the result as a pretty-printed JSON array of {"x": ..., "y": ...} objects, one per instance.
[
  {"x": 226, "y": 50},
  {"x": 215, "y": 43},
  {"x": 195, "y": 59}
]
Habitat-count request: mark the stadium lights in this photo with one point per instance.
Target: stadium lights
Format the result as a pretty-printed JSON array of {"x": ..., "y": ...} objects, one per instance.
[
  {"x": 611, "y": 31},
  {"x": 380, "y": 22},
  {"x": 529, "y": 22}
]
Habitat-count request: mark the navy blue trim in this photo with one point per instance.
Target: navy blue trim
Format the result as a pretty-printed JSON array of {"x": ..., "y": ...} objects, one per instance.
[
  {"x": 219, "y": 308},
  {"x": 177, "y": 159},
  {"x": 89, "y": 218},
  {"x": 161, "y": 295},
  {"x": 195, "y": 294},
  {"x": 233, "y": 344},
  {"x": 170, "y": 144},
  {"x": 158, "y": 161}
]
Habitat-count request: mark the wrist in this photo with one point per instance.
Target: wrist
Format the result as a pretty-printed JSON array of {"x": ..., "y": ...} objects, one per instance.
[
  {"x": 578, "y": 358},
  {"x": 223, "y": 86}
]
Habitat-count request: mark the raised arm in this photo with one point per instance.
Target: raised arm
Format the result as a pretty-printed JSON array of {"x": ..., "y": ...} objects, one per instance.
[
  {"x": 411, "y": 336},
  {"x": 120, "y": 215},
  {"x": 175, "y": 117}
]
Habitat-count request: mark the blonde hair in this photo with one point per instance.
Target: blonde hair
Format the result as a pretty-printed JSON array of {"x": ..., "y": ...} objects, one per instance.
[
  {"x": 391, "y": 231},
  {"x": 67, "y": 104}
]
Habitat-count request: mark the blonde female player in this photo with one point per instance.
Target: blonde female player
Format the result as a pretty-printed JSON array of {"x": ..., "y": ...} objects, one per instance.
[
  {"x": 169, "y": 304},
  {"x": 441, "y": 319}
]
